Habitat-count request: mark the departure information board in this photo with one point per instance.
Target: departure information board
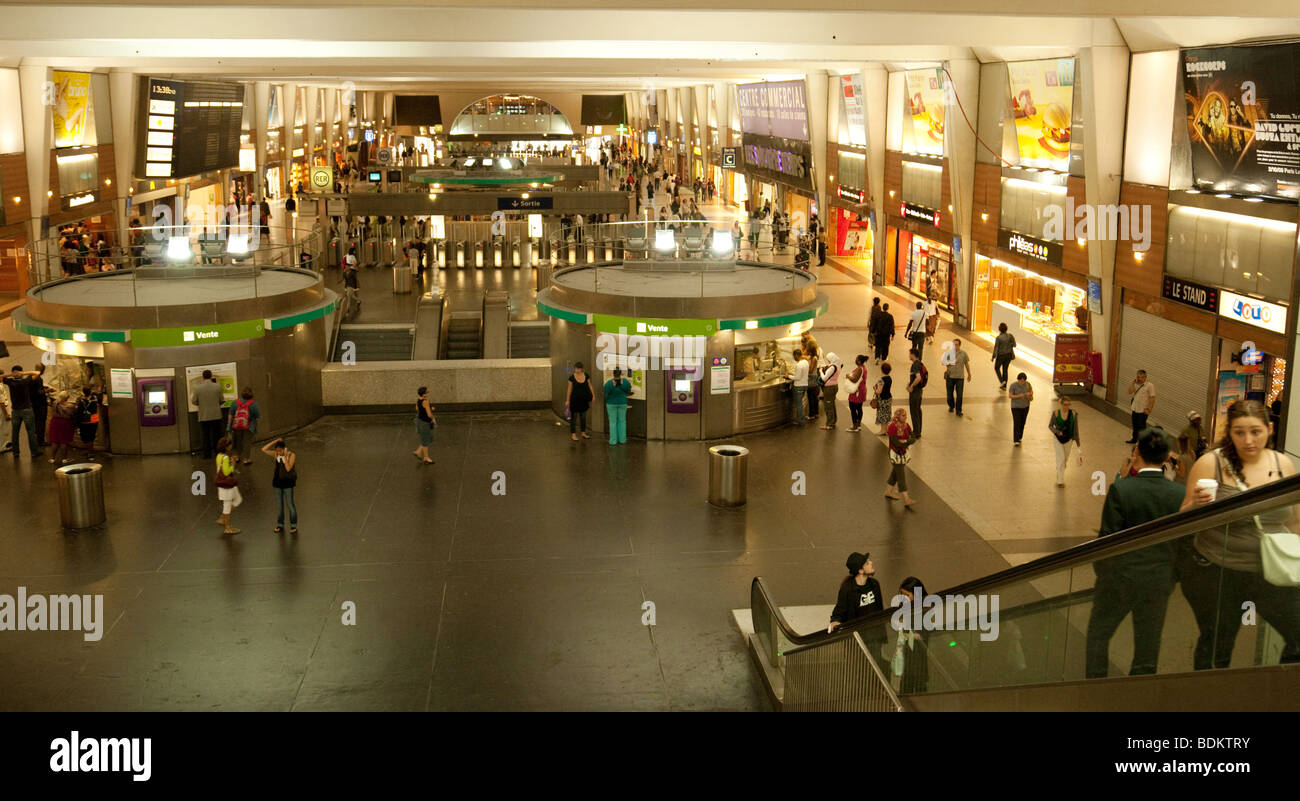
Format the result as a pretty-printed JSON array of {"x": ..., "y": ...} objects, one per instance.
[{"x": 189, "y": 127}]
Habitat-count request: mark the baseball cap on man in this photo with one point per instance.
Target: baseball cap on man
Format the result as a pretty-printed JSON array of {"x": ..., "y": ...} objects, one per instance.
[
  {"x": 855, "y": 561},
  {"x": 1193, "y": 415}
]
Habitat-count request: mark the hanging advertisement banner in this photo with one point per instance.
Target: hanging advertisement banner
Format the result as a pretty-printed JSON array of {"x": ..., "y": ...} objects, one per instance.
[
  {"x": 925, "y": 93},
  {"x": 1070, "y": 363},
  {"x": 71, "y": 111},
  {"x": 1243, "y": 119},
  {"x": 774, "y": 160},
  {"x": 855, "y": 112},
  {"x": 1042, "y": 102},
  {"x": 776, "y": 108}
]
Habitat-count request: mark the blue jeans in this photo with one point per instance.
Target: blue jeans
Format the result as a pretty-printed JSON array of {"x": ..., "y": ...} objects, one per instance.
[
  {"x": 284, "y": 495},
  {"x": 798, "y": 394},
  {"x": 617, "y": 416}
]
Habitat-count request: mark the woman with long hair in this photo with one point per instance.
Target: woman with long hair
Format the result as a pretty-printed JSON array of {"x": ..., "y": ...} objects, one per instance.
[
  {"x": 859, "y": 394},
  {"x": 900, "y": 437},
  {"x": 227, "y": 482},
  {"x": 884, "y": 399},
  {"x": 1224, "y": 567}
]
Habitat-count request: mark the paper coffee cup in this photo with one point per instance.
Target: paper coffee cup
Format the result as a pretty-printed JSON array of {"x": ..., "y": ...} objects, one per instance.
[{"x": 1208, "y": 485}]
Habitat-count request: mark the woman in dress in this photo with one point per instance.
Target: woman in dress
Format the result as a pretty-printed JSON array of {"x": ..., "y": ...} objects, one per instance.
[
  {"x": 859, "y": 394},
  {"x": 61, "y": 427},
  {"x": 884, "y": 399}
]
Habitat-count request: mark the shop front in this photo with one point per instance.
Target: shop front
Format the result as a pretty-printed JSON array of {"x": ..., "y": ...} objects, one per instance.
[
  {"x": 850, "y": 235},
  {"x": 923, "y": 262},
  {"x": 1034, "y": 306}
]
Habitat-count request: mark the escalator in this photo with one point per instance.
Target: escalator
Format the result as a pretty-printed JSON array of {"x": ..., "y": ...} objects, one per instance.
[
  {"x": 1030, "y": 651},
  {"x": 464, "y": 337},
  {"x": 374, "y": 342}
]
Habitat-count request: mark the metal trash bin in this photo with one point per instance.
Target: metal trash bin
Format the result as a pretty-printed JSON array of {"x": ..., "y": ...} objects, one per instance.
[
  {"x": 81, "y": 494},
  {"x": 401, "y": 279},
  {"x": 728, "y": 475}
]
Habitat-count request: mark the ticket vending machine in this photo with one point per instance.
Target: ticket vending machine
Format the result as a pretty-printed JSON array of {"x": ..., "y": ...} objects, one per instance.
[
  {"x": 682, "y": 405},
  {"x": 156, "y": 401}
]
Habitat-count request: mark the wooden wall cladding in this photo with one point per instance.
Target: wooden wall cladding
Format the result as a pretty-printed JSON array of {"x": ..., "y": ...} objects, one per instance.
[
  {"x": 987, "y": 201},
  {"x": 832, "y": 168},
  {"x": 13, "y": 181},
  {"x": 1075, "y": 259},
  {"x": 893, "y": 179},
  {"x": 947, "y": 220},
  {"x": 1266, "y": 341},
  {"x": 107, "y": 170},
  {"x": 1170, "y": 310},
  {"x": 1147, "y": 275}
]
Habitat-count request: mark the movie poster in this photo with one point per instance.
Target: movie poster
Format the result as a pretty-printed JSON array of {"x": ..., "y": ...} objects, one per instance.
[
  {"x": 1243, "y": 119},
  {"x": 925, "y": 97},
  {"x": 1042, "y": 102},
  {"x": 71, "y": 110}
]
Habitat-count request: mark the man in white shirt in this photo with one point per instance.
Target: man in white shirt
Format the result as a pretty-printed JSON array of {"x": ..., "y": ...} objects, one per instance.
[
  {"x": 931, "y": 318},
  {"x": 1144, "y": 400},
  {"x": 800, "y": 389},
  {"x": 916, "y": 327}
]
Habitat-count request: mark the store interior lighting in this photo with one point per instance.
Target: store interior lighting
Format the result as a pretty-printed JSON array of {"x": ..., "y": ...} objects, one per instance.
[
  {"x": 722, "y": 244},
  {"x": 178, "y": 249},
  {"x": 237, "y": 244}
]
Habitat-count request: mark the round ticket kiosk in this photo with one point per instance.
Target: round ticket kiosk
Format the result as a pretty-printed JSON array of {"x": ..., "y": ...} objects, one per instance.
[
  {"x": 706, "y": 343},
  {"x": 141, "y": 338}
]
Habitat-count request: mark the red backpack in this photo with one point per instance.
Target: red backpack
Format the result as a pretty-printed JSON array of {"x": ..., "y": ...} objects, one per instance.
[{"x": 242, "y": 417}]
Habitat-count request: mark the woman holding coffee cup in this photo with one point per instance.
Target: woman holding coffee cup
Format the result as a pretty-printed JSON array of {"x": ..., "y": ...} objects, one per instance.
[{"x": 1223, "y": 569}]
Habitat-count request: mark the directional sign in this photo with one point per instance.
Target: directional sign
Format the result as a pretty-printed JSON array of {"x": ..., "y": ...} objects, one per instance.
[
  {"x": 525, "y": 204},
  {"x": 385, "y": 155},
  {"x": 729, "y": 158},
  {"x": 322, "y": 178}
]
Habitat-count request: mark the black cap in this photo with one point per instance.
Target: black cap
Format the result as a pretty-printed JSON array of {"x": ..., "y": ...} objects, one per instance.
[{"x": 855, "y": 561}]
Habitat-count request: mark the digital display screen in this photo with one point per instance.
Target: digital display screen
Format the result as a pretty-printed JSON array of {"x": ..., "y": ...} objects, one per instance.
[
  {"x": 191, "y": 127},
  {"x": 376, "y": 177},
  {"x": 157, "y": 396},
  {"x": 682, "y": 385}
]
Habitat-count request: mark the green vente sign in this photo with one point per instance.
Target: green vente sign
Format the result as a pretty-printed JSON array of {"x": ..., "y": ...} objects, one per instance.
[
  {"x": 196, "y": 335},
  {"x": 649, "y": 326}
]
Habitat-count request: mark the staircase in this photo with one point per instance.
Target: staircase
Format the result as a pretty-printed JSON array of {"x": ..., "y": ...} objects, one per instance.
[
  {"x": 530, "y": 340},
  {"x": 375, "y": 342},
  {"x": 463, "y": 339}
]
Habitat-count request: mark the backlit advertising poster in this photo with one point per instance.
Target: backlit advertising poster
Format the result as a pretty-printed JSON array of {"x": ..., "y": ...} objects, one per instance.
[
  {"x": 71, "y": 109},
  {"x": 925, "y": 98},
  {"x": 855, "y": 112},
  {"x": 775, "y": 108},
  {"x": 1243, "y": 119},
  {"x": 1042, "y": 102},
  {"x": 1070, "y": 365}
]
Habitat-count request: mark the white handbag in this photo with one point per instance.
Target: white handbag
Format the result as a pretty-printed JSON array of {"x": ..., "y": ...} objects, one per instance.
[{"x": 1279, "y": 551}]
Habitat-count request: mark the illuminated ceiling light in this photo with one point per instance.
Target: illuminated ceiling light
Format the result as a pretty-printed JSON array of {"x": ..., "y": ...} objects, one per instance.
[
  {"x": 891, "y": 193},
  {"x": 78, "y": 336},
  {"x": 984, "y": 216},
  {"x": 108, "y": 182},
  {"x": 722, "y": 244},
  {"x": 237, "y": 244},
  {"x": 1254, "y": 200},
  {"x": 178, "y": 249},
  {"x": 1139, "y": 255}
]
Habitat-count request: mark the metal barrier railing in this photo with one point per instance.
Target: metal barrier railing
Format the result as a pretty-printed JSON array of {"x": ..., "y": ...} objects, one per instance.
[{"x": 841, "y": 677}]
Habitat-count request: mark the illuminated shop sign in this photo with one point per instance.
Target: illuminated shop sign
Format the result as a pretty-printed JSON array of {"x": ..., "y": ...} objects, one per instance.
[
  {"x": 73, "y": 201},
  {"x": 911, "y": 211},
  {"x": 1186, "y": 292},
  {"x": 778, "y": 160},
  {"x": 1036, "y": 249},
  {"x": 850, "y": 194},
  {"x": 1252, "y": 311}
]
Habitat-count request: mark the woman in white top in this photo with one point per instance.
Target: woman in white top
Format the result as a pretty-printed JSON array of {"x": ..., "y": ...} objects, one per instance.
[{"x": 931, "y": 309}]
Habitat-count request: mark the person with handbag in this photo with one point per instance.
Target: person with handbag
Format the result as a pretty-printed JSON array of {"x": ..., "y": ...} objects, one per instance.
[
  {"x": 1254, "y": 559},
  {"x": 900, "y": 437},
  {"x": 227, "y": 481},
  {"x": 283, "y": 482},
  {"x": 1064, "y": 425},
  {"x": 1137, "y": 582},
  {"x": 829, "y": 378},
  {"x": 424, "y": 424},
  {"x": 577, "y": 400},
  {"x": 858, "y": 393},
  {"x": 884, "y": 399}
]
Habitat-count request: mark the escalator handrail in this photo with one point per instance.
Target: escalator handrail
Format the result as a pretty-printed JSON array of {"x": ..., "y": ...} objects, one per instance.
[{"x": 1155, "y": 532}]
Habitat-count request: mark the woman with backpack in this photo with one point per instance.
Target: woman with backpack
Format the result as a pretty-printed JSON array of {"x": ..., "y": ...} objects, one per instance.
[
  {"x": 242, "y": 426},
  {"x": 284, "y": 480},
  {"x": 227, "y": 481}
]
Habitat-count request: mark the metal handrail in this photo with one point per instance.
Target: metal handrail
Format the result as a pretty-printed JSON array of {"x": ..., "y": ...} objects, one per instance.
[
  {"x": 844, "y": 677},
  {"x": 1155, "y": 532}
]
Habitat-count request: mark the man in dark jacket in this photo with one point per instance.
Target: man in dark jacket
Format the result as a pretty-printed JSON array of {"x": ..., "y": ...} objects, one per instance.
[
  {"x": 884, "y": 331},
  {"x": 859, "y": 594},
  {"x": 1138, "y": 581}
]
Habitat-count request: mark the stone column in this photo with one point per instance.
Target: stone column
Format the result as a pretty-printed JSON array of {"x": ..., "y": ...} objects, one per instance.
[
  {"x": 959, "y": 150},
  {"x": 34, "y": 86}
]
